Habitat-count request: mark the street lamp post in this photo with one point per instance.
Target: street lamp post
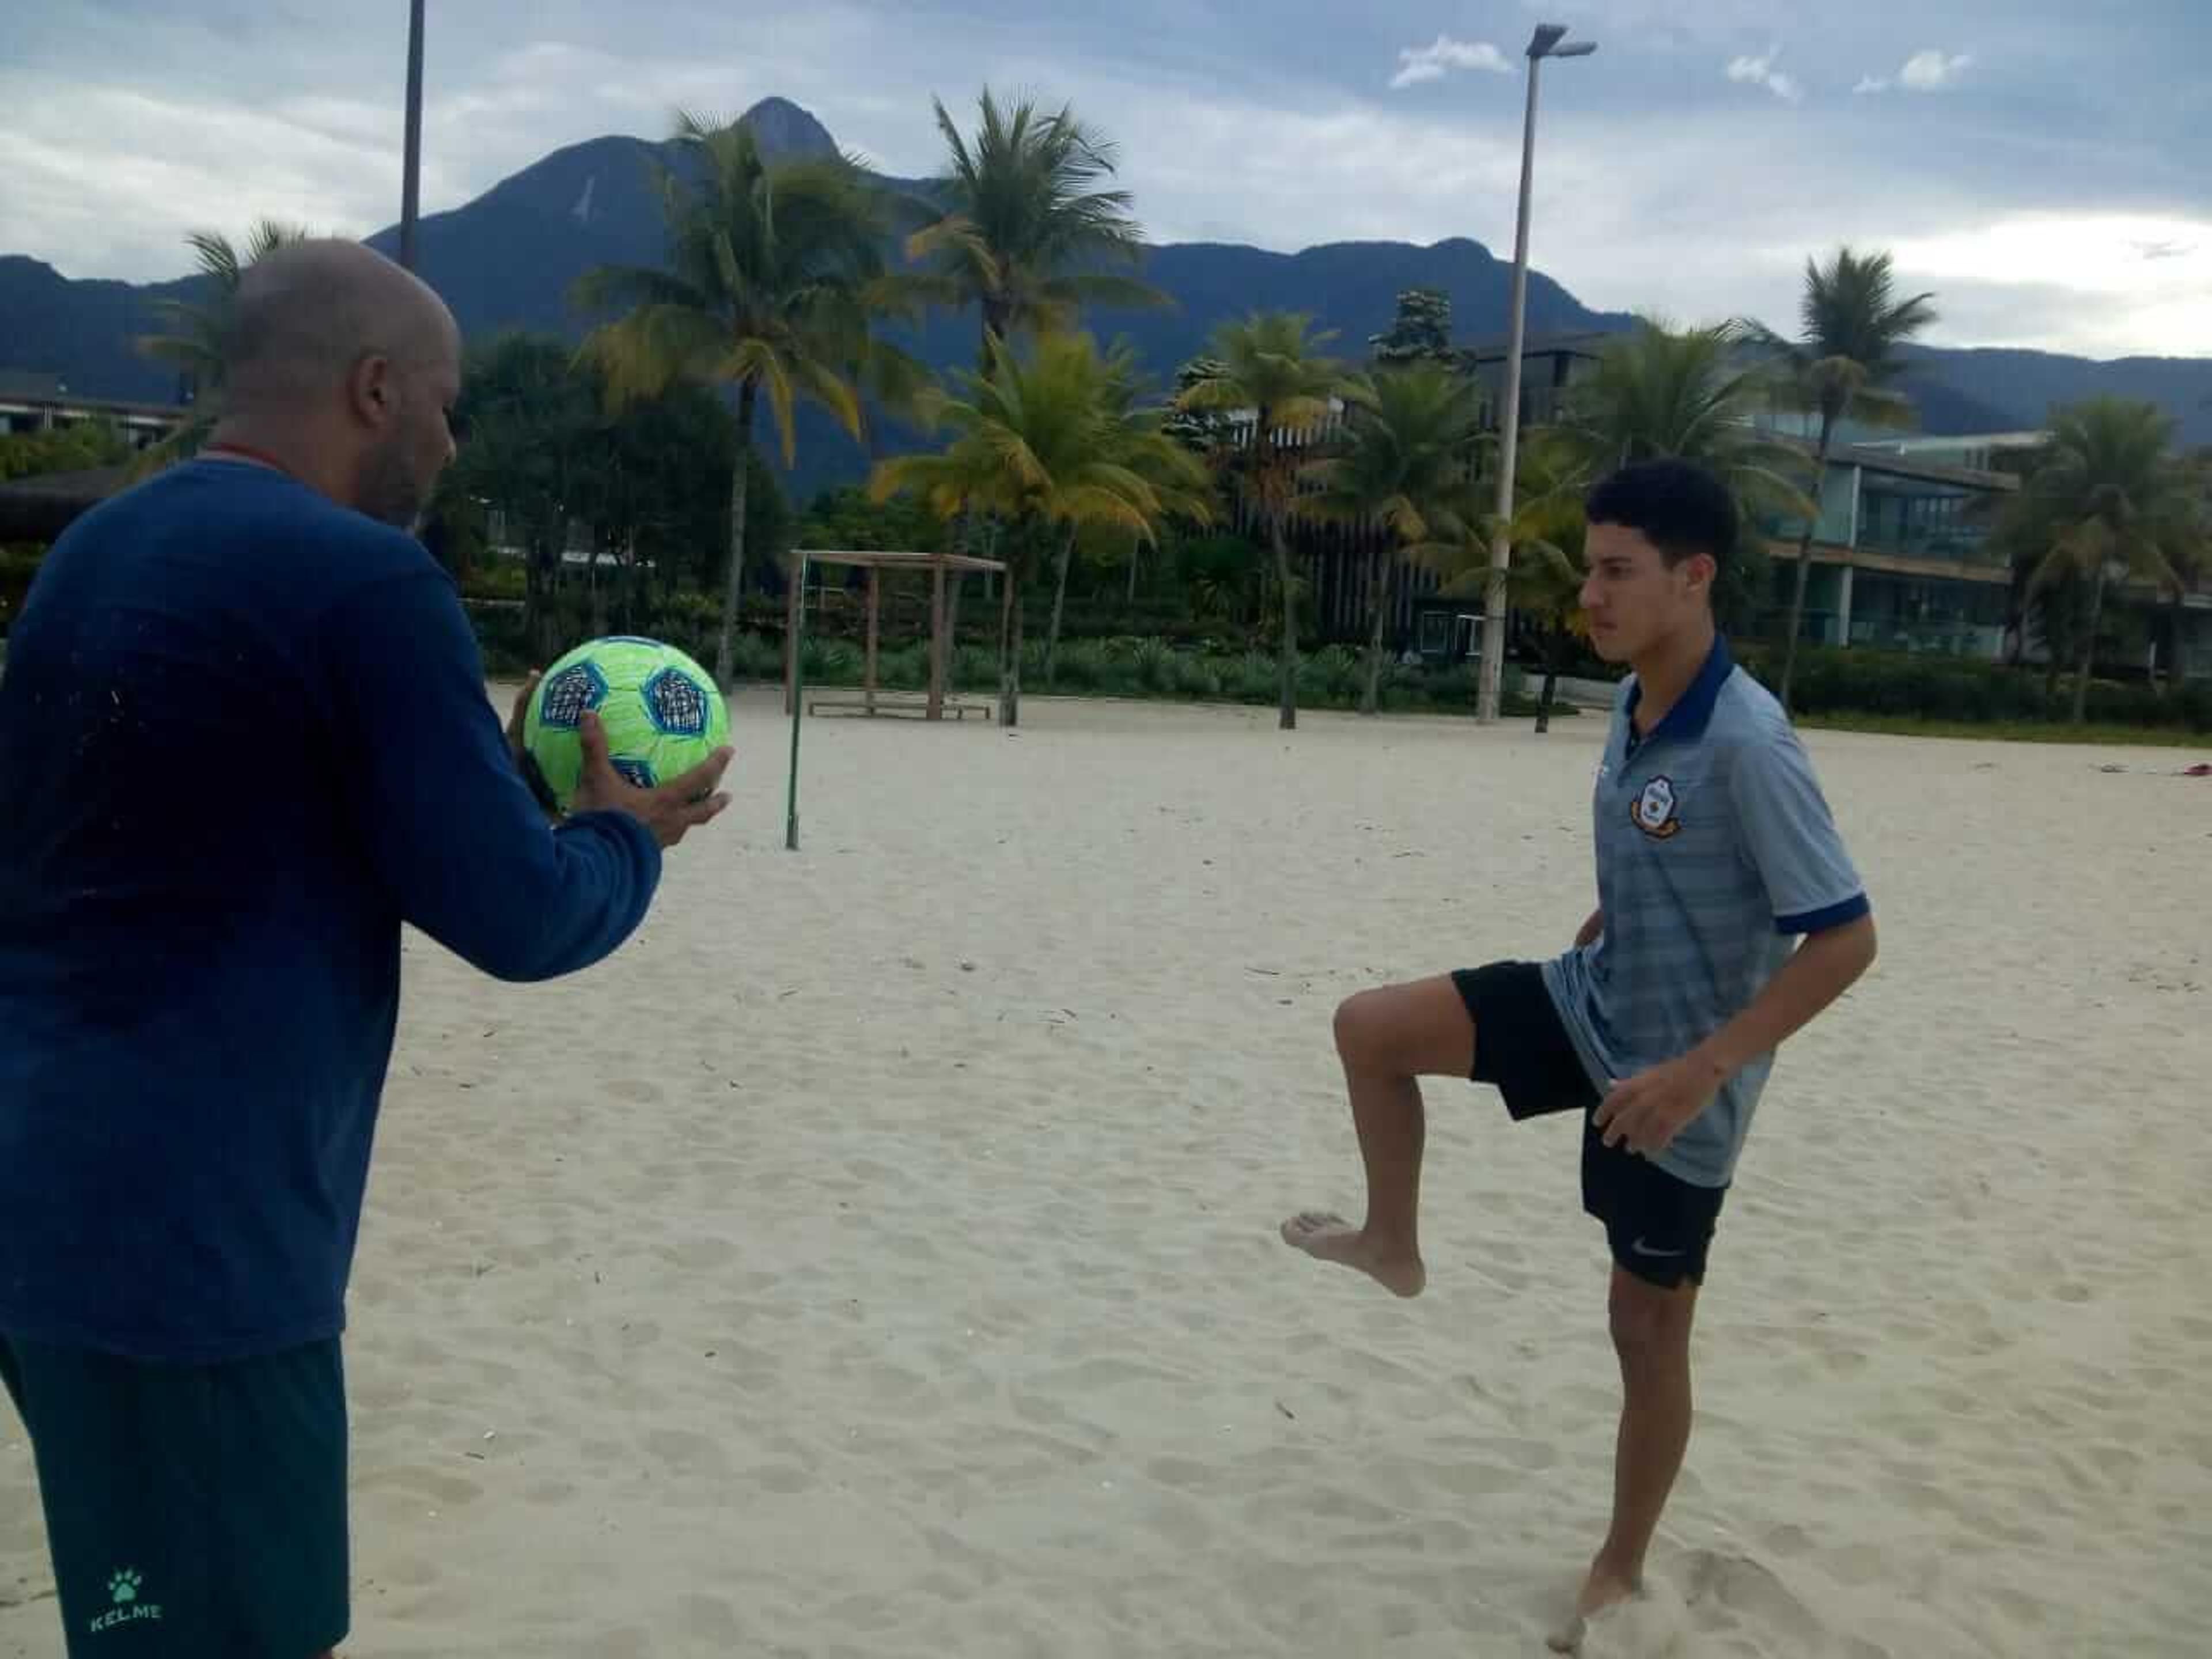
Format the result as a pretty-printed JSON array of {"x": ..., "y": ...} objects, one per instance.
[
  {"x": 410, "y": 175},
  {"x": 1549, "y": 41}
]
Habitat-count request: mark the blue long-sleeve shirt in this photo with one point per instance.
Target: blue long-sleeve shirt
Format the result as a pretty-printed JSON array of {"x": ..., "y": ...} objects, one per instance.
[{"x": 243, "y": 736}]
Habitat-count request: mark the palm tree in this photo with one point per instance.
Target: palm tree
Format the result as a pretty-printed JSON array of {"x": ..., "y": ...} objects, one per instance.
[
  {"x": 1023, "y": 224},
  {"x": 1033, "y": 442},
  {"x": 194, "y": 342},
  {"x": 2192, "y": 560},
  {"x": 1271, "y": 372},
  {"x": 1852, "y": 326},
  {"x": 533, "y": 415},
  {"x": 2108, "y": 497},
  {"x": 1404, "y": 466},
  {"x": 1691, "y": 394},
  {"x": 775, "y": 271},
  {"x": 1137, "y": 439},
  {"x": 1545, "y": 578}
]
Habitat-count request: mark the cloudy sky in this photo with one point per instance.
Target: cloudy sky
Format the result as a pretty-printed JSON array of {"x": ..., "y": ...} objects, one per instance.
[{"x": 2041, "y": 164}]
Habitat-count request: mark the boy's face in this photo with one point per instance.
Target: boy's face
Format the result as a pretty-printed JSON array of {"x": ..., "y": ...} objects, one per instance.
[{"x": 1633, "y": 598}]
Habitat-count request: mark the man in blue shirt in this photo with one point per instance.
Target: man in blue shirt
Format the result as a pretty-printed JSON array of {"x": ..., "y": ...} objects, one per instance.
[
  {"x": 243, "y": 739},
  {"x": 1715, "y": 855}
]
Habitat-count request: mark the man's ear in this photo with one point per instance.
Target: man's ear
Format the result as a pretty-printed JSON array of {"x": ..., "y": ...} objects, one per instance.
[{"x": 369, "y": 390}]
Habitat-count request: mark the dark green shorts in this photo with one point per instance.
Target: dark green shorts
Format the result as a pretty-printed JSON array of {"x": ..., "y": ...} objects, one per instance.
[{"x": 192, "y": 1511}]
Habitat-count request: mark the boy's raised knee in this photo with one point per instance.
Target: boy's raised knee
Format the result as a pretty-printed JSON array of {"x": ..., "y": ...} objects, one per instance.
[{"x": 1361, "y": 1026}]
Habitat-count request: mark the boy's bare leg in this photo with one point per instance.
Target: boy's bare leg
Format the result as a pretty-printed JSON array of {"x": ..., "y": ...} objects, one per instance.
[
  {"x": 1387, "y": 1040},
  {"x": 1652, "y": 1337}
]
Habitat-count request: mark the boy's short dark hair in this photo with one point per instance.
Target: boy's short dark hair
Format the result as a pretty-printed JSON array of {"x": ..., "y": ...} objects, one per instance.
[{"x": 1682, "y": 509}]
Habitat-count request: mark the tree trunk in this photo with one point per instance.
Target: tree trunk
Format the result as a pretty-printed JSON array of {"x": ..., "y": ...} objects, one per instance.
[
  {"x": 2018, "y": 600},
  {"x": 1021, "y": 600},
  {"x": 1551, "y": 681},
  {"x": 968, "y": 528},
  {"x": 595, "y": 597},
  {"x": 1059, "y": 605},
  {"x": 2176, "y": 616},
  {"x": 533, "y": 597},
  {"x": 1805, "y": 561},
  {"x": 1136, "y": 543},
  {"x": 1287, "y": 717},
  {"x": 544, "y": 636},
  {"x": 726, "y": 642},
  {"x": 2089, "y": 646},
  {"x": 1010, "y": 669},
  {"x": 635, "y": 585},
  {"x": 1378, "y": 595}
]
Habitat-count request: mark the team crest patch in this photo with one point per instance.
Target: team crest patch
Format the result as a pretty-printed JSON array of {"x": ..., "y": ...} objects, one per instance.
[{"x": 1654, "y": 809}]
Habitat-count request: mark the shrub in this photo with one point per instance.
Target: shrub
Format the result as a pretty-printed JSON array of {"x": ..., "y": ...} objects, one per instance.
[
  {"x": 1952, "y": 688},
  {"x": 1205, "y": 669},
  {"x": 496, "y": 578},
  {"x": 1333, "y": 677}
]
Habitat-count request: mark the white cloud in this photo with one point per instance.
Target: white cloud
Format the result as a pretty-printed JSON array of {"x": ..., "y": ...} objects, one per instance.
[
  {"x": 123, "y": 151},
  {"x": 1931, "y": 71},
  {"x": 1761, "y": 72},
  {"x": 2131, "y": 282},
  {"x": 1445, "y": 54}
]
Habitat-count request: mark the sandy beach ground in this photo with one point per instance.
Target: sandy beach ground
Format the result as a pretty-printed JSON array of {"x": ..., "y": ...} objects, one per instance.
[{"x": 879, "y": 1257}]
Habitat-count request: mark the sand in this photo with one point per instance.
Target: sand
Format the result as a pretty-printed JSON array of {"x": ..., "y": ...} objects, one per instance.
[{"x": 879, "y": 1257}]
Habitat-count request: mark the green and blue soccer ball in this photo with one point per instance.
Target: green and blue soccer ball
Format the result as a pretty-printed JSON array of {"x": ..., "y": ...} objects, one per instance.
[{"x": 661, "y": 712}]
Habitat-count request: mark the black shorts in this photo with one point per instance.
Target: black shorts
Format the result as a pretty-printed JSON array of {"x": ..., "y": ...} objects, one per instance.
[
  {"x": 192, "y": 1511},
  {"x": 1659, "y": 1227}
]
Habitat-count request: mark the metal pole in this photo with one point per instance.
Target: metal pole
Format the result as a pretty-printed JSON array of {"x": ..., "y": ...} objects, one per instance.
[
  {"x": 937, "y": 639},
  {"x": 797, "y": 707},
  {"x": 410, "y": 175},
  {"x": 1501, "y": 548},
  {"x": 875, "y": 607}
]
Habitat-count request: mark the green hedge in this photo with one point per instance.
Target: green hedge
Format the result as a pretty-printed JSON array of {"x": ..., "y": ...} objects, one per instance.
[
  {"x": 1138, "y": 668},
  {"x": 1145, "y": 669},
  {"x": 1182, "y": 661},
  {"x": 1935, "y": 688},
  {"x": 19, "y": 563}
]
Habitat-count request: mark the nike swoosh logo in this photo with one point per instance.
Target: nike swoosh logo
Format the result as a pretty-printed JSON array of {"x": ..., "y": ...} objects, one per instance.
[{"x": 1642, "y": 1248}]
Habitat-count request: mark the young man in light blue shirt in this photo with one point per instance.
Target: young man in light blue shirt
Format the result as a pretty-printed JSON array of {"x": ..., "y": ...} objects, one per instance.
[{"x": 1728, "y": 915}]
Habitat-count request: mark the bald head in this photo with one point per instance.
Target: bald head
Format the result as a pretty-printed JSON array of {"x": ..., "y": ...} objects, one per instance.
[
  {"x": 305, "y": 315},
  {"x": 345, "y": 367}
]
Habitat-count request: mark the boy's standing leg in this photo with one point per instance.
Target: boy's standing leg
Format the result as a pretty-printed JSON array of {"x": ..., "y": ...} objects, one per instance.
[{"x": 1650, "y": 1328}]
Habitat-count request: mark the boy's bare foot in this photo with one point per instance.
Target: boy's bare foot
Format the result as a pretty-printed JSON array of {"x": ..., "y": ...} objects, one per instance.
[
  {"x": 1332, "y": 1238},
  {"x": 1602, "y": 1591}
]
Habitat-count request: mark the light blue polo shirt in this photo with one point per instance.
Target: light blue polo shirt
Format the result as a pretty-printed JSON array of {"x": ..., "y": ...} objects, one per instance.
[{"x": 1715, "y": 852}]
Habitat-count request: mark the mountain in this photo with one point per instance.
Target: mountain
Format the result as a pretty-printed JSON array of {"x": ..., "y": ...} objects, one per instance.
[
  {"x": 1986, "y": 389},
  {"x": 1352, "y": 288},
  {"x": 508, "y": 259}
]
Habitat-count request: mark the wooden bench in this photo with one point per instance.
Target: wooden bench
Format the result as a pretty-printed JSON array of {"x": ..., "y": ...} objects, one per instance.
[{"x": 895, "y": 704}]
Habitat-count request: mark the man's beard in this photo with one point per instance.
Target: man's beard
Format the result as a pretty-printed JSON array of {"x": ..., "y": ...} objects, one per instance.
[{"x": 390, "y": 492}]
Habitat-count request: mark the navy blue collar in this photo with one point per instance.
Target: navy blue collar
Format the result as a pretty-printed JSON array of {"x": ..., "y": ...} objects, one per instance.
[{"x": 1693, "y": 710}]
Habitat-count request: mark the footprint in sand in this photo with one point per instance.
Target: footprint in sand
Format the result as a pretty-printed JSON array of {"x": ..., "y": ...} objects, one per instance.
[
  {"x": 1654, "y": 1624},
  {"x": 1752, "y": 1590},
  {"x": 681, "y": 1452},
  {"x": 712, "y": 1621},
  {"x": 446, "y": 1490}
]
